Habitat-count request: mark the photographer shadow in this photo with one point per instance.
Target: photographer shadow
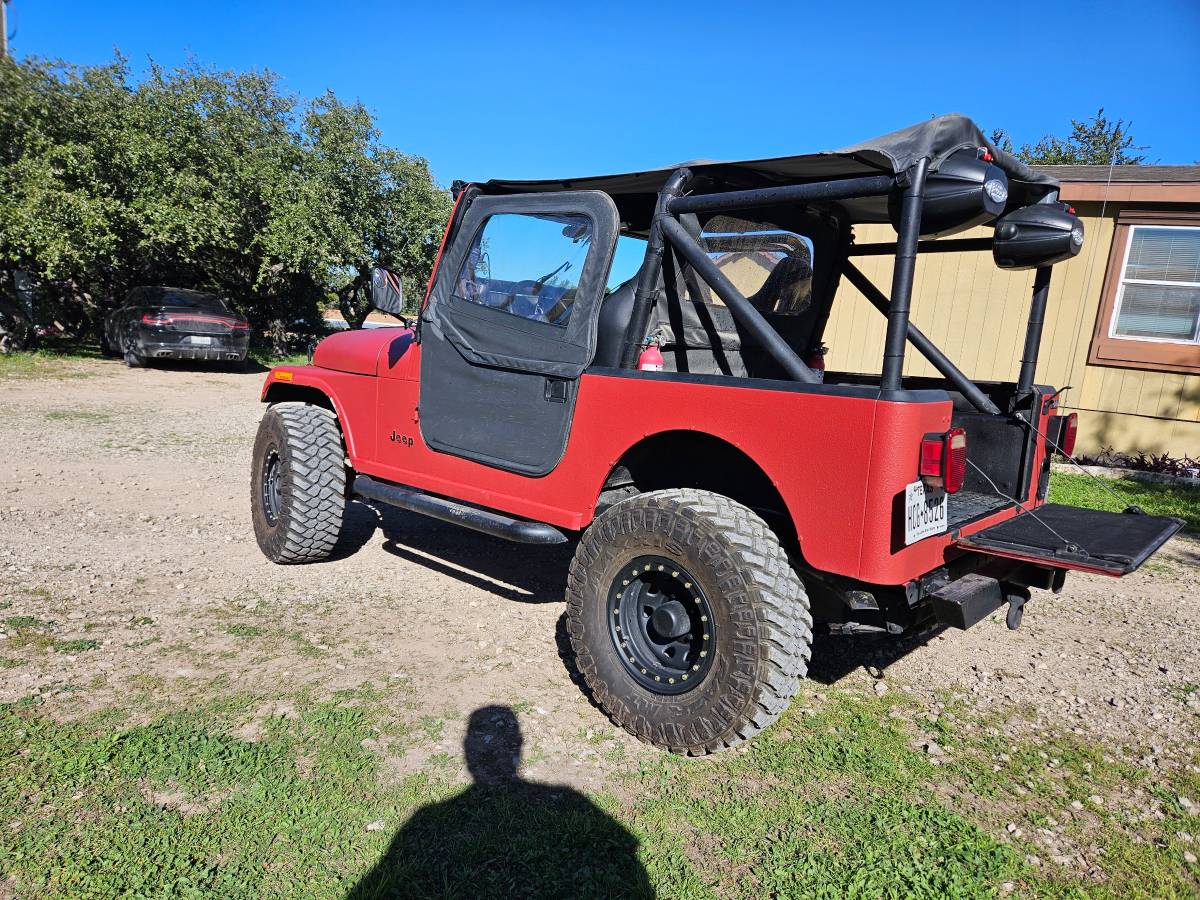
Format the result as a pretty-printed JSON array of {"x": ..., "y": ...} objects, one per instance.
[{"x": 507, "y": 837}]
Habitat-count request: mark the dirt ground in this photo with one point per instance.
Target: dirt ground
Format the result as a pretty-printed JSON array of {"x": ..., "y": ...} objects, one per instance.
[{"x": 124, "y": 520}]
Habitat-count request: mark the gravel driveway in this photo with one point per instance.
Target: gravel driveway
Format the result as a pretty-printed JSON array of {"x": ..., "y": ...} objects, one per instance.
[{"x": 125, "y": 532}]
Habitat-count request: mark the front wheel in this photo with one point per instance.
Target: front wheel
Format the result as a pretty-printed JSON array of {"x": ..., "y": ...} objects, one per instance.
[
  {"x": 298, "y": 483},
  {"x": 688, "y": 623}
]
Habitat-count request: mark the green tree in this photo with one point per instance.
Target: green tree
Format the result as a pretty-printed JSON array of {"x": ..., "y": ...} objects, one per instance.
[
  {"x": 355, "y": 204},
  {"x": 200, "y": 178},
  {"x": 1098, "y": 142}
]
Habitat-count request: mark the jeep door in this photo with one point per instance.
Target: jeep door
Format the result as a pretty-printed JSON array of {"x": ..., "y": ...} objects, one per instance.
[{"x": 511, "y": 325}]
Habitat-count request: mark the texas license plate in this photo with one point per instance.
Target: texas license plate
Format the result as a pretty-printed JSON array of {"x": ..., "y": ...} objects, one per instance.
[
  {"x": 202, "y": 341},
  {"x": 924, "y": 512}
]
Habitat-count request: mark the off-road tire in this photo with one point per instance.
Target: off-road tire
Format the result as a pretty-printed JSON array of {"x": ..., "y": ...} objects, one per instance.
[
  {"x": 306, "y": 444},
  {"x": 760, "y": 609}
]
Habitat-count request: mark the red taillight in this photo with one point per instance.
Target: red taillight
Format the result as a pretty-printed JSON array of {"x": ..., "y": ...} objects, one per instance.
[
  {"x": 240, "y": 326},
  {"x": 944, "y": 458},
  {"x": 1066, "y": 437},
  {"x": 156, "y": 319},
  {"x": 956, "y": 459},
  {"x": 932, "y": 451}
]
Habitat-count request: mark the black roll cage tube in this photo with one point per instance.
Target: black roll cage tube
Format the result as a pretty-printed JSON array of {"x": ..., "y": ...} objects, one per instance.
[{"x": 665, "y": 228}]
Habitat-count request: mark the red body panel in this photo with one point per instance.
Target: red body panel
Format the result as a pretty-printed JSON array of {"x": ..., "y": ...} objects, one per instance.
[
  {"x": 845, "y": 522},
  {"x": 353, "y": 351}
]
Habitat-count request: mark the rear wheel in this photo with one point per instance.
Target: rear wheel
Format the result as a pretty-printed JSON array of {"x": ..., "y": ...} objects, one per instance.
[
  {"x": 298, "y": 483},
  {"x": 688, "y": 622},
  {"x": 132, "y": 359}
]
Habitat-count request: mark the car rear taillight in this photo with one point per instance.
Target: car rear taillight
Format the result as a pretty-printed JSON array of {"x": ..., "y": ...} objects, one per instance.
[
  {"x": 156, "y": 319},
  {"x": 956, "y": 459},
  {"x": 944, "y": 459},
  {"x": 1066, "y": 436},
  {"x": 240, "y": 326}
]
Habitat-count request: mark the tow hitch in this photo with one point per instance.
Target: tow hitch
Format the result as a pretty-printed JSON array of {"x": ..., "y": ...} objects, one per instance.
[{"x": 1017, "y": 598}]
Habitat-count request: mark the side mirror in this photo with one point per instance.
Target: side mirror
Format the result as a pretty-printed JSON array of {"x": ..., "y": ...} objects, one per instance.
[{"x": 387, "y": 294}]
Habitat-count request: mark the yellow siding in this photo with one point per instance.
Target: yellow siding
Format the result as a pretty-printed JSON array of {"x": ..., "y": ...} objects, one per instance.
[{"x": 976, "y": 313}]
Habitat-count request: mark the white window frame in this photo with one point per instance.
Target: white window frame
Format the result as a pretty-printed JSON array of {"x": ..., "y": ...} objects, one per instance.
[{"x": 1122, "y": 281}]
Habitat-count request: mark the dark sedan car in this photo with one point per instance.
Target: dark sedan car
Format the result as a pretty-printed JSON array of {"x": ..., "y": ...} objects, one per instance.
[{"x": 174, "y": 323}]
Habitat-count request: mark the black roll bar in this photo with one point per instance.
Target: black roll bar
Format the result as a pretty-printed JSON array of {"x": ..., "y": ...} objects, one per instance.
[
  {"x": 840, "y": 189},
  {"x": 1033, "y": 331},
  {"x": 743, "y": 310},
  {"x": 912, "y": 201},
  {"x": 951, "y": 246},
  {"x": 646, "y": 291},
  {"x": 924, "y": 345}
]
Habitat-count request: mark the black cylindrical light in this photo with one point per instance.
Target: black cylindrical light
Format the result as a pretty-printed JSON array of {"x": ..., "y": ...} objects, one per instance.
[
  {"x": 966, "y": 190},
  {"x": 1038, "y": 235}
]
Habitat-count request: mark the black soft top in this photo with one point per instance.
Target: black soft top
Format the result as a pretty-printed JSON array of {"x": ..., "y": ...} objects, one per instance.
[{"x": 634, "y": 192}]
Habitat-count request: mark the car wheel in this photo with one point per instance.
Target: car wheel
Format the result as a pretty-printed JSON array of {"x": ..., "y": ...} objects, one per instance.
[
  {"x": 688, "y": 623},
  {"x": 133, "y": 360},
  {"x": 298, "y": 483}
]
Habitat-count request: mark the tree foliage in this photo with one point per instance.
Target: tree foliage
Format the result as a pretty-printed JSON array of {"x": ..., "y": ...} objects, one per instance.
[
  {"x": 1097, "y": 142},
  {"x": 200, "y": 178}
]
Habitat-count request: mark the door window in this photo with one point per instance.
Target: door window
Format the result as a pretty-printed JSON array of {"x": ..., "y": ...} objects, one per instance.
[{"x": 527, "y": 265}]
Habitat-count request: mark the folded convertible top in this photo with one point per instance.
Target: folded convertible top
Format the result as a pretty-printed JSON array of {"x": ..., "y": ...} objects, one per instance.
[{"x": 892, "y": 153}]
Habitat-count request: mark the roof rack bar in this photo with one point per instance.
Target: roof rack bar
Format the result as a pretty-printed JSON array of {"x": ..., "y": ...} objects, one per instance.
[
  {"x": 1033, "y": 331},
  {"x": 646, "y": 291},
  {"x": 912, "y": 202},
  {"x": 840, "y": 189},
  {"x": 924, "y": 345},
  {"x": 749, "y": 317},
  {"x": 957, "y": 245}
]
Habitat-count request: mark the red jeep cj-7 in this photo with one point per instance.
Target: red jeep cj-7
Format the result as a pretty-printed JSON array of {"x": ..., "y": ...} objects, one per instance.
[{"x": 635, "y": 361}]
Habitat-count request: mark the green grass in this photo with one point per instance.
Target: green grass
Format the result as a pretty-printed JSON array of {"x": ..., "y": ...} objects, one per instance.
[
  {"x": 54, "y": 361},
  {"x": 241, "y": 629},
  {"x": 1156, "y": 499},
  {"x": 79, "y": 416},
  {"x": 266, "y": 357},
  {"x": 76, "y": 646},
  {"x": 836, "y": 801}
]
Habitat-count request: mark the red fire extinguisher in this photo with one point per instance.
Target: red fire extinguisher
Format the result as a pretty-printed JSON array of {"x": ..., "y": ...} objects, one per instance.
[
  {"x": 651, "y": 359},
  {"x": 816, "y": 361}
]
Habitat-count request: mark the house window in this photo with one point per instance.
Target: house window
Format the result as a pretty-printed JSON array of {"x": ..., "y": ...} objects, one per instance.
[
  {"x": 1159, "y": 295},
  {"x": 1150, "y": 307}
]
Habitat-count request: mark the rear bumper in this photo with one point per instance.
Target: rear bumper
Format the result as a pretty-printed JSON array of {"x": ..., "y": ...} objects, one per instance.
[{"x": 223, "y": 348}]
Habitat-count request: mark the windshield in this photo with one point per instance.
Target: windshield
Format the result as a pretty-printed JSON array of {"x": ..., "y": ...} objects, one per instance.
[{"x": 182, "y": 297}]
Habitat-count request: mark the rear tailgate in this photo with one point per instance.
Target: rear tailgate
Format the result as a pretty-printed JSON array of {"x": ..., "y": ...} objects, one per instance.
[{"x": 1068, "y": 537}]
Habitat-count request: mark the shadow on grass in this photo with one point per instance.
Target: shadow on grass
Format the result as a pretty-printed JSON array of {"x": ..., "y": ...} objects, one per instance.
[{"x": 507, "y": 837}]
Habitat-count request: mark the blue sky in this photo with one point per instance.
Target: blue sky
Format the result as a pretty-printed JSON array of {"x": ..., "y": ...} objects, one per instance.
[{"x": 541, "y": 90}]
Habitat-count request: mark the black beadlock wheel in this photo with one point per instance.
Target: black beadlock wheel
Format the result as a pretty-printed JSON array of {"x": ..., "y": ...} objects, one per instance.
[
  {"x": 688, "y": 622},
  {"x": 298, "y": 483}
]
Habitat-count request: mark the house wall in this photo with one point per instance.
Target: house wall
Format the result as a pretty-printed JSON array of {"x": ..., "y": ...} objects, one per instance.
[{"x": 976, "y": 314}]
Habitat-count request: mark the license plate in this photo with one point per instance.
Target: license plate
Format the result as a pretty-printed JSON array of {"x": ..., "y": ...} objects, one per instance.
[
  {"x": 202, "y": 341},
  {"x": 924, "y": 512}
]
